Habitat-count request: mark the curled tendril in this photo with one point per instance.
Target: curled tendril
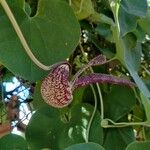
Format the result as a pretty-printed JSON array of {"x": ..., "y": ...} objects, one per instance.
[{"x": 56, "y": 89}]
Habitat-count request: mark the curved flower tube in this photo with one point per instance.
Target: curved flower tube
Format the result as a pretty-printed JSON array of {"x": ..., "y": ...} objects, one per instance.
[{"x": 56, "y": 89}]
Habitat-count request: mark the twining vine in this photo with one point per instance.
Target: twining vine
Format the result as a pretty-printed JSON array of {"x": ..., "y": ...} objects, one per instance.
[{"x": 105, "y": 122}]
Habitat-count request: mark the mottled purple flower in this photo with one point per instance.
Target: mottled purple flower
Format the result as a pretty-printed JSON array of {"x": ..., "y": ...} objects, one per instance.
[{"x": 56, "y": 89}]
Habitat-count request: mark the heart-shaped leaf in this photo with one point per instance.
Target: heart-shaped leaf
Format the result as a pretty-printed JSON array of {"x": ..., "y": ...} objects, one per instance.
[
  {"x": 38, "y": 101},
  {"x": 130, "y": 57},
  {"x": 135, "y": 7},
  {"x": 50, "y": 129},
  {"x": 145, "y": 22},
  {"x": 128, "y": 22},
  {"x": 139, "y": 146},
  {"x": 12, "y": 142},
  {"x": 146, "y": 104},
  {"x": 85, "y": 146},
  {"x": 121, "y": 96},
  {"x": 82, "y": 9},
  {"x": 118, "y": 139},
  {"x": 52, "y": 34}
]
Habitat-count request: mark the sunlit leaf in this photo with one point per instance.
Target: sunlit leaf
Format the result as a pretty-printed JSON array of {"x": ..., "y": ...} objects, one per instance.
[{"x": 82, "y": 9}]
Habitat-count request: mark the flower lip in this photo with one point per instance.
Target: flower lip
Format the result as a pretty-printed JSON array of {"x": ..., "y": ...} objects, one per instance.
[{"x": 55, "y": 88}]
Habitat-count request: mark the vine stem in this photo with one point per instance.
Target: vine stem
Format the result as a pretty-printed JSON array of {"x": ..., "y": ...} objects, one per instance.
[
  {"x": 70, "y": 2},
  {"x": 81, "y": 5},
  {"x": 146, "y": 70},
  {"x": 95, "y": 98},
  {"x": 98, "y": 88},
  {"x": 21, "y": 36},
  {"x": 93, "y": 114},
  {"x": 122, "y": 124}
]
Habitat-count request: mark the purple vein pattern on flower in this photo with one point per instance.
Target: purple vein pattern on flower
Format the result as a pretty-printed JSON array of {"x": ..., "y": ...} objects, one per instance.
[{"x": 56, "y": 89}]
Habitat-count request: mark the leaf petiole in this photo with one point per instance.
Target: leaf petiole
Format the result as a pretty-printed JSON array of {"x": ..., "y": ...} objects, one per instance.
[
  {"x": 105, "y": 124},
  {"x": 21, "y": 36}
]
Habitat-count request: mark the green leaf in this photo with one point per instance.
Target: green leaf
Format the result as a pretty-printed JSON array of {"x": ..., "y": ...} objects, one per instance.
[
  {"x": 147, "y": 133},
  {"x": 127, "y": 21},
  {"x": 13, "y": 142},
  {"x": 52, "y": 34},
  {"x": 108, "y": 52},
  {"x": 139, "y": 146},
  {"x": 140, "y": 35},
  {"x": 38, "y": 101},
  {"x": 146, "y": 104},
  {"x": 75, "y": 130},
  {"x": 43, "y": 129},
  {"x": 78, "y": 95},
  {"x": 135, "y": 7},
  {"x": 82, "y": 8},
  {"x": 48, "y": 128},
  {"x": 85, "y": 146},
  {"x": 105, "y": 31},
  {"x": 118, "y": 139},
  {"x": 132, "y": 61},
  {"x": 131, "y": 58},
  {"x": 118, "y": 102},
  {"x": 130, "y": 41},
  {"x": 3, "y": 114},
  {"x": 145, "y": 22},
  {"x": 20, "y": 3}
]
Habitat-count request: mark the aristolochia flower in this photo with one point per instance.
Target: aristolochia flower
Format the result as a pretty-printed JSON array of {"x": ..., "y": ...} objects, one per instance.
[{"x": 56, "y": 89}]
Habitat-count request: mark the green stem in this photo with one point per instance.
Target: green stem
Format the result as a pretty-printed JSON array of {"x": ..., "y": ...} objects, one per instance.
[
  {"x": 93, "y": 114},
  {"x": 105, "y": 124},
  {"x": 146, "y": 70},
  {"x": 70, "y": 2},
  {"x": 112, "y": 59},
  {"x": 97, "y": 85},
  {"x": 95, "y": 98},
  {"x": 116, "y": 30},
  {"x": 80, "y": 9},
  {"x": 21, "y": 36}
]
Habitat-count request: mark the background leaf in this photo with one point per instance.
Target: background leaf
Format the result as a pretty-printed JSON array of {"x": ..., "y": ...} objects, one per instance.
[
  {"x": 38, "y": 101},
  {"x": 85, "y": 146},
  {"x": 146, "y": 104},
  {"x": 139, "y": 146},
  {"x": 135, "y": 7},
  {"x": 130, "y": 57},
  {"x": 43, "y": 129},
  {"x": 58, "y": 131},
  {"x": 52, "y": 34},
  {"x": 75, "y": 130},
  {"x": 118, "y": 139},
  {"x": 145, "y": 22},
  {"x": 82, "y": 9},
  {"x": 127, "y": 21},
  {"x": 118, "y": 102},
  {"x": 12, "y": 142}
]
